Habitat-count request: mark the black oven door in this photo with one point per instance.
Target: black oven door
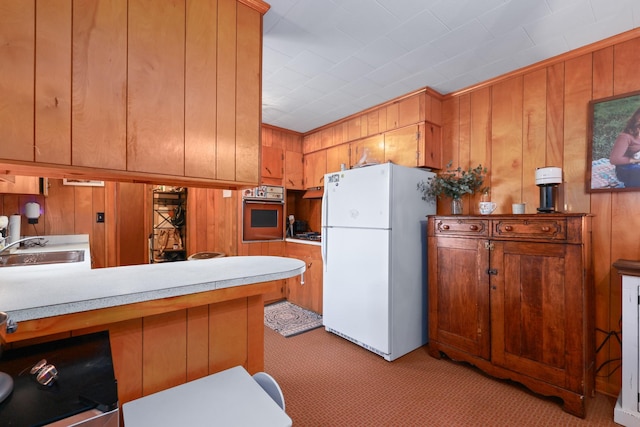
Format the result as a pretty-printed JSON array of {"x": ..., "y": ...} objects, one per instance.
[{"x": 262, "y": 221}]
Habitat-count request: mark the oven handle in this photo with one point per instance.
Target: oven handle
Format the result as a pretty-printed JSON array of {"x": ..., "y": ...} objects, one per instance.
[{"x": 264, "y": 202}]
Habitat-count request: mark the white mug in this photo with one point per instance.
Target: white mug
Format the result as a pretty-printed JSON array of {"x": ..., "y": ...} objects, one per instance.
[
  {"x": 518, "y": 208},
  {"x": 487, "y": 207}
]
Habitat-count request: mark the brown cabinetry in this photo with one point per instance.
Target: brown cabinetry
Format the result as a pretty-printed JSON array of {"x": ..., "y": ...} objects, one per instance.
[
  {"x": 315, "y": 166},
  {"x": 293, "y": 170},
  {"x": 147, "y": 95},
  {"x": 21, "y": 185},
  {"x": 309, "y": 293},
  {"x": 513, "y": 295},
  {"x": 272, "y": 169}
]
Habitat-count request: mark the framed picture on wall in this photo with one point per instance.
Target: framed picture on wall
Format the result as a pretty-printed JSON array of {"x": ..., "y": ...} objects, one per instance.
[
  {"x": 614, "y": 143},
  {"x": 84, "y": 182}
]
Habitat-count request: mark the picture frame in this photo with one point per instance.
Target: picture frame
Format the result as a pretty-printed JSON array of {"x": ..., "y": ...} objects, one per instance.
[
  {"x": 609, "y": 119},
  {"x": 82, "y": 182}
]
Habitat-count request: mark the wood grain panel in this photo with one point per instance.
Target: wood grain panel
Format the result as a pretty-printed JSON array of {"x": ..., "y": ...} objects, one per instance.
[
  {"x": 555, "y": 114},
  {"x": 578, "y": 84},
  {"x": 507, "y": 144},
  {"x": 480, "y": 132},
  {"x": 255, "y": 334},
  {"x": 132, "y": 247},
  {"x": 228, "y": 334},
  {"x": 197, "y": 342},
  {"x": 59, "y": 212},
  {"x": 226, "y": 89},
  {"x": 607, "y": 291},
  {"x": 83, "y": 209},
  {"x": 53, "y": 82},
  {"x": 248, "y": 93},
  {"x": 155, "y": 118},
  {"x": 200, "y": 88},
  {"x": 626, "y": 56},
  {"x": 410, "y": 110},
  {"x": 99, "y": 93},
  {"x": 464, "y": 144},
  {"x": 534, "y": 138},
  {"x": 164, "y": 351},
  {"x": 16, "y": 85},
  {"x": 126, "y": 351}
]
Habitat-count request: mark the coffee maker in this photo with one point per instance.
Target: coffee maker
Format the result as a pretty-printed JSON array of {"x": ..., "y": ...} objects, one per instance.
[{"x": 547, "y": 179}]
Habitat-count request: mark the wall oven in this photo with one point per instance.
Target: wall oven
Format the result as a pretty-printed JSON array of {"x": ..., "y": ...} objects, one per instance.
[{"x": 263, "y": 213}]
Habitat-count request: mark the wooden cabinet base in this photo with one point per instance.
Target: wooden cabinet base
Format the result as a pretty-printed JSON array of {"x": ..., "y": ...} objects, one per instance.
[{"x": 573, "y": 403}]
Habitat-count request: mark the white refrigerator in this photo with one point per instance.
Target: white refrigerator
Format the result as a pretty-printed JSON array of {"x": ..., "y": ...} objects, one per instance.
[{"x": 374, "y": 255}]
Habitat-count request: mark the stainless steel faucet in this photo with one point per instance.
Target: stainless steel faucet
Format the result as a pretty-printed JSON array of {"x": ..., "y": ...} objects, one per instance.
[{"x": 26, "y": 239}]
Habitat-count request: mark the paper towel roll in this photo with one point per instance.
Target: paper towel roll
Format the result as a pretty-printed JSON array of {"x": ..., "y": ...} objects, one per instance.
[{"x": 14, "y": 228}]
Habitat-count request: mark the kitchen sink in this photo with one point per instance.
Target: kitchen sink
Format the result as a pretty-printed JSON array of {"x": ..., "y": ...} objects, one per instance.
[{"x": 39, "y": 258}]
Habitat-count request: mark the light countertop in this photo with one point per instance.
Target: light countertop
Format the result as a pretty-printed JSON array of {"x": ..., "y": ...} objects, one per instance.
[{"x": 34, "y": 292}]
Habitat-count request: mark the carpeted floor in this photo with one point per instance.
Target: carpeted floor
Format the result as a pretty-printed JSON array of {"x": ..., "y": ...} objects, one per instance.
[
  {"x": 328, "y": 381},
  {"x": 289, "y": 319}
]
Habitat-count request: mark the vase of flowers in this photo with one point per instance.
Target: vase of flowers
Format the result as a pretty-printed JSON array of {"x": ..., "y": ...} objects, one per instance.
[{"x": 453, "y": 183}]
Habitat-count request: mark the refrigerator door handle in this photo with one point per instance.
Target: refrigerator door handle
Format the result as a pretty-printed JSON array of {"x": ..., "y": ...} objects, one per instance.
[{"x": 323, "y": 219}]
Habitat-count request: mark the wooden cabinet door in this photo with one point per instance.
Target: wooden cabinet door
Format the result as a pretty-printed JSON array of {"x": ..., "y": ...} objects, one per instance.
[
  {"x": 293, "y": 170},
  {"x": 315, "y": 166},
  {"x": 20, "y": 185},
  {"x": 272, "y": 170},
  {"x": 459, "y": 295},
  {"x": 155, "y": 87},
  {"x": 430, "y": 146},
  {"x": 336, "y": 156},
  {"x": 367, "y": 150},
  {"x": 401, "y": 146},
  {"x": 308, "y": 294},
  {"x": 536, "y": 304}
]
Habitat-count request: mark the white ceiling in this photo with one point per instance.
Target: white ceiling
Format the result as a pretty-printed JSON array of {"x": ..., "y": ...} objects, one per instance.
[{"x": 327, "y": 59}]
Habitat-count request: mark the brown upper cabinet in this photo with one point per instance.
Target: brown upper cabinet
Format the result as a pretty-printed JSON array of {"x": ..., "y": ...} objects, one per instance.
[
  {"x": 147, "y": 95},
  {"x": 315, "y": 166}
]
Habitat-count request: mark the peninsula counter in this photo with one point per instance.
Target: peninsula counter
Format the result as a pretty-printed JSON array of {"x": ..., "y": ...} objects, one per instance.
[{"x": 169, "y": 323}]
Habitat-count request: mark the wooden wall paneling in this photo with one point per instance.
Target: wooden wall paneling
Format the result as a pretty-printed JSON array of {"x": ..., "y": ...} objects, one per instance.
[
  {"x": 126, "y": 349},
  {"x": 97, "y": 238},
  {"x": 132, "y": 241},
  {"x": 83, "y": 210},
  {"x": 197, "y": 342},
  {"x": 155, "y": 119},
  {"x": 248, "y": 93},
  {"x": 534, "y": 137},
  {"x": 255, "y": 333},
  {"x": 226, "y": 219},
  {"x": 99, "y": 111},
  {"x": 53, "y": 82},
  {"x": 464, "y": 146},
  {"x": 555, "y": 115},
  {"x": 200, "y": 89},
  {"x": 507, "y": 144},
  {"x": 16, "y": 86},
  {"x": 59, "y": 209},
  {"x": 607, "y": 291},
  {"x": 111, "y": 224},
  {"x": 226, "y": 90},
  {"x": 480, "y": 134},
  {"x": 163, "y": 365},
  {"x": 626, "y": 56},
  {"x": 450, "y": 142},
  {"x": 228, "y": 334},
  {"x": 578, "y": 88}
]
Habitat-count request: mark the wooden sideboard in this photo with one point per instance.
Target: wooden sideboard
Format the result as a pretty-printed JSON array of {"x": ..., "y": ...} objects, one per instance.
[{"x": 513, "y": 295}]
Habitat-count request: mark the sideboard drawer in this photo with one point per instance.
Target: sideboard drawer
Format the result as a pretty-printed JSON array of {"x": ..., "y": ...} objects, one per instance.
[
  {"x": 461, "y": 226},
  {"x": 551, "y": 228}
]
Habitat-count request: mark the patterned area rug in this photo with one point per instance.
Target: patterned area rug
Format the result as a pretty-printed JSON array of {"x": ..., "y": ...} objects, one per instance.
[{"x": 288, "y": 319}]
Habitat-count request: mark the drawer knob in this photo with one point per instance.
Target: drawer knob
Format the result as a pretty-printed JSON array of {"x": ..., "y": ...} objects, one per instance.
[
  {"x": 508, "y": 228},
  {"x": 445, "y": 227},
  {"x": 473, "y": 227},
  {"x": 546, "y": 228}
]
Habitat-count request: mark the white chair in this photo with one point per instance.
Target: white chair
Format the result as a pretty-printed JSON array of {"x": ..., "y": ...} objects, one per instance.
[{"x": 270, "y": 385}]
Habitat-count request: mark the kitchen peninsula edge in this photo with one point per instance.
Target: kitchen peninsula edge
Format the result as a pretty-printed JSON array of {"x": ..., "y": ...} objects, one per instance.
[{"x": 169, "y": 323}]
